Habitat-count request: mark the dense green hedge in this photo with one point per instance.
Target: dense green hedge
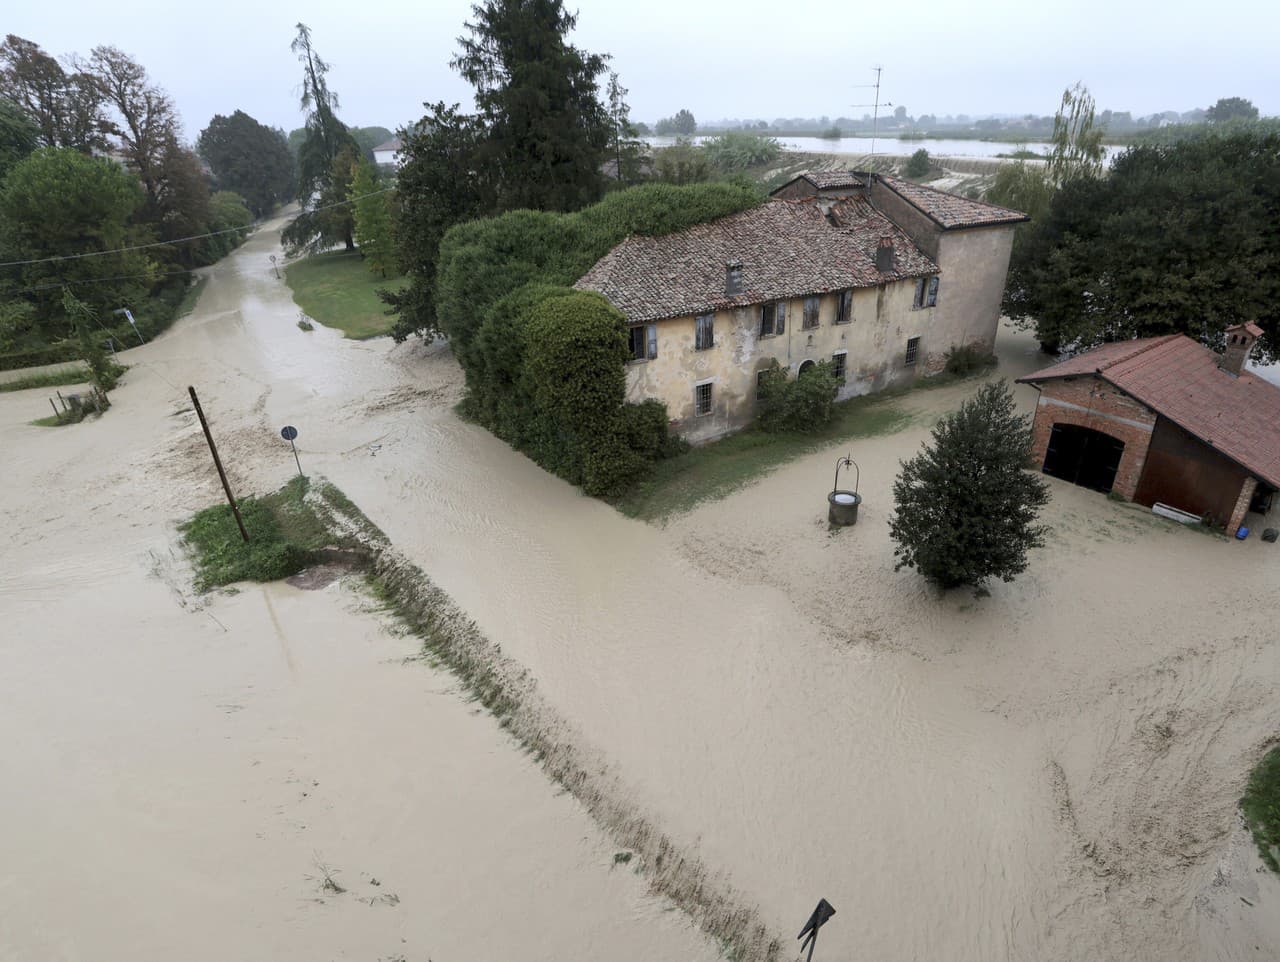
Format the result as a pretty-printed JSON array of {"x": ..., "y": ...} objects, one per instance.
[{"x": 545, "y": 364}]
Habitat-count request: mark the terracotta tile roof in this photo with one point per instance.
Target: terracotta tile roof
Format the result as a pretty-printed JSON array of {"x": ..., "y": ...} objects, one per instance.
[
  {"x": 951, "y": 210},
  {"x": 392, "y": 144},
  {"x": 1180, "y": 379},
  {"x": 787, "y": 249},
  {"x": 828, "y": 179}
]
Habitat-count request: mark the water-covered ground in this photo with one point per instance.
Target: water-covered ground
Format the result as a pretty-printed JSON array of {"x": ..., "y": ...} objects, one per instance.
[{"x": 1047, "y": 772}]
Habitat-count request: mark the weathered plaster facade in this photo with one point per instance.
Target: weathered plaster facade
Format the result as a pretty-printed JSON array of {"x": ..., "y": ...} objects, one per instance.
[
  {"x": 888, "y": 242},
  {"x": 874, "y": 343}
]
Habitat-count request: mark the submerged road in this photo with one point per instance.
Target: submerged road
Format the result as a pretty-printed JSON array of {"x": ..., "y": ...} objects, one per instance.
[{"x": 963, "y": 778}]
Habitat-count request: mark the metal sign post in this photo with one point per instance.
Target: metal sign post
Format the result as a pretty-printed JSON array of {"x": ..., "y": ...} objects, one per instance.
[
  {"x": 132, "y": 323},
  {"x": 274, "y": 267},
  {"x": 289, "y": 432}
]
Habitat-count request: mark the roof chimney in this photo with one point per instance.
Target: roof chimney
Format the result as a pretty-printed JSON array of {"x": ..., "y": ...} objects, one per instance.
[
  {"x": 732, "y": 278},
  {"x": 884, "y": 256},
  {"x": 1240, "y": 338}
]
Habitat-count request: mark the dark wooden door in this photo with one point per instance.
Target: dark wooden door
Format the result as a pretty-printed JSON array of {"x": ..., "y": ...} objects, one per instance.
[{"x": 1083, "y": 456}]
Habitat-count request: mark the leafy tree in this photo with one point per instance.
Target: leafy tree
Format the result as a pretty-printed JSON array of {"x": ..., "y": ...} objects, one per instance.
[
  {"x": 57, "y": 202},
  {"x": 249, "y": 158},
  {"x": 626, "y": 152},
  {"x": 326, "y": 160},
  {"x": 18, "y": 136},
  {"x": 965, "y": 507},
  {"x": 546, "y": 131},
  {"x": 804, "y": 403},
  {"x": 740, "y": 149},
  {"x": 682, "y": 124},
  {"x": 227, "y": 212},
  {"x": 682, "y": 163},
  {"x": 918, "y": 165},
  {"x": 372, "y": 220},
  {"x": 147, "y": 123},
  {"x": 66, "y": 108},
  {"x": 184, "y": 202},
  {"x": 326, "y": 135},
  {"x": 369, "y": 137},
  {"x": 1231, "y": 108},
  {"x": 441, "y": 182},
  {"x": 1180, "y": 238},
  {"x": 84, "y": 319},
  {"x": 1077, "y": 139}
]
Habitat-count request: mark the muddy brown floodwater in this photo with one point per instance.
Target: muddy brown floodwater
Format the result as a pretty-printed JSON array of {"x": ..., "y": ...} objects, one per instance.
[{"x": 1049, "y": 772}]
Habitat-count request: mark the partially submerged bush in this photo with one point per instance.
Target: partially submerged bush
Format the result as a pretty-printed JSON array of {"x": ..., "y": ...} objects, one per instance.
[
  {"x": 968, "y": 359},
  {"x": 1261, "y": 804},
  {"x": 803, "y": 404}
]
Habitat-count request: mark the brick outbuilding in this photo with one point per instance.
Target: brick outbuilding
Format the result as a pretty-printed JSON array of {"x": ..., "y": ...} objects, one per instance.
[{"x": 1164, "y": 420}]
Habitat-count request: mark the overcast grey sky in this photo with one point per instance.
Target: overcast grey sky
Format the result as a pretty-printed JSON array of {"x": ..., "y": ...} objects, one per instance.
[{"x": 719, "y": 59}]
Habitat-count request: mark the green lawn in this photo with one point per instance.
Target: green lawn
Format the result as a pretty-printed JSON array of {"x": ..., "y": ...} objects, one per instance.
[
  {"x": 1261, "y": 804},
  {"x": 714, "y": 470},
  {"x": 284, "y": 530},
  {"x": 337, "y": 290}
]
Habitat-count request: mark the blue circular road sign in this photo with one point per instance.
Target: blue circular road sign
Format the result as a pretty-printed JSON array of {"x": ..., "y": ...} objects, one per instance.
[{"x": 288, "y": 432}]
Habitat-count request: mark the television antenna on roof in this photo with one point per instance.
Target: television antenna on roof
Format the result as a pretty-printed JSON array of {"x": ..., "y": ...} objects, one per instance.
[{"x": 875, "y": 117}]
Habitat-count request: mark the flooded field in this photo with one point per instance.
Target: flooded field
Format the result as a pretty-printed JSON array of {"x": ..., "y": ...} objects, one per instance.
[{"x": 1047, "y": 772}]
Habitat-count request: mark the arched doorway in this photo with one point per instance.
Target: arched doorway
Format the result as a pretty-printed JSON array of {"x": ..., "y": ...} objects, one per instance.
[
  {"x": 1083, "y": 456},
  {"x": 805, "y": 368}
]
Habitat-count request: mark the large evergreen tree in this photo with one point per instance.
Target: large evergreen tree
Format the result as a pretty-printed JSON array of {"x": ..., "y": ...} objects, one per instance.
[
  {"x": 1179, "y": 238},
  {"x": 441, "y": 182},
  {"x": 249, "y": 158},
  {"x": 325, "y": 159},
  {"x": 373, "y": 220},
  {"x": 547, "y": 132},
  {"x": 965, "y": 507}
]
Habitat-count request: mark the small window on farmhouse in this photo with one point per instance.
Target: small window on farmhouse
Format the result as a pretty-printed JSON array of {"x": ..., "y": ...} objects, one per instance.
[
  {"x": 844, "y": 307},
  {"x": 773, "y": 318},
  {"x": 810, "y": 313},
  {"x": 760, "y": 384},
  {"x": 913, "y": 351},
  {"x": 926, "y": 292},
  {"x": 702, "y": 400},
  {"x": 642, "y": 342},
  {"x": 705, "y": 332},
  {"x": 838, "y": 368}
]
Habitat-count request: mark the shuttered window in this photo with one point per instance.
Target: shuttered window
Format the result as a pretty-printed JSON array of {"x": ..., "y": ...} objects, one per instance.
[
  {"x": 705, "y": 332},
  {"x": 810, "y": 313}
]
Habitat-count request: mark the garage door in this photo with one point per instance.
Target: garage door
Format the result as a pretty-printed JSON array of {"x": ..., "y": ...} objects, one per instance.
[{"x": 1083, "y": 456}]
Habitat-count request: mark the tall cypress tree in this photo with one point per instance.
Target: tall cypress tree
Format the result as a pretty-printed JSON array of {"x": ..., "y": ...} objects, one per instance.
[{"x": 537, "y": 95}]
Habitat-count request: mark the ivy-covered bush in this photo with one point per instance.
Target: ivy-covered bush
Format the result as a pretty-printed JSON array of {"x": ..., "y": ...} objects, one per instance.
[
  {"x": 803, "y": 404},
  {"x": 545, "y": 364}
]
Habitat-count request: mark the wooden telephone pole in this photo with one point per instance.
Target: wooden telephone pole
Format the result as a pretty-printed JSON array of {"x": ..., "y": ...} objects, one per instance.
[{"x": 217, "y": 463}]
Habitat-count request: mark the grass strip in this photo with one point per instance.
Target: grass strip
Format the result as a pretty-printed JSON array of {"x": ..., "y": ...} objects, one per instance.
[
  {"x": 338, "y": 290},
  {"x": 453, "y": 641},
  {"x": 1261, "y": 805},
  {"x": 72, "y": 375},
  {"x": 286, "y": 533}
]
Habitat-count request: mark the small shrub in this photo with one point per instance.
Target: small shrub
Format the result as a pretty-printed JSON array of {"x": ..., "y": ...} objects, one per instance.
[
  {"x": 918, "y": 165},
  {"x": 800, "y": 405},
  {"x": 832, "y": 133},
  {"x": 967, "y": 359},
  {"x": 1261, "y": 805}
]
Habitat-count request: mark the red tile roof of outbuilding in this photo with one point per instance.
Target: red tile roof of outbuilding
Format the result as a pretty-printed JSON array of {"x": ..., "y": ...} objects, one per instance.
[{"x": 1239, "y": 415}]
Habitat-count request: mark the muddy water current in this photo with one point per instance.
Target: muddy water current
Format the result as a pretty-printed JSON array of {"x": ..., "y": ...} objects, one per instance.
[{"x": 1049, "y": 771}]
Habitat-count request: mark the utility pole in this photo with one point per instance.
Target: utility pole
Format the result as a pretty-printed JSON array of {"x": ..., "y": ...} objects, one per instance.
[
  {"x": 875, "y": 117},
  {"x": 217, "y": 463}
]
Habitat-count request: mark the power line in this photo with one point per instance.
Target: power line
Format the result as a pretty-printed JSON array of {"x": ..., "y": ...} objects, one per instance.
[{"x": 180, "y": 240}]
